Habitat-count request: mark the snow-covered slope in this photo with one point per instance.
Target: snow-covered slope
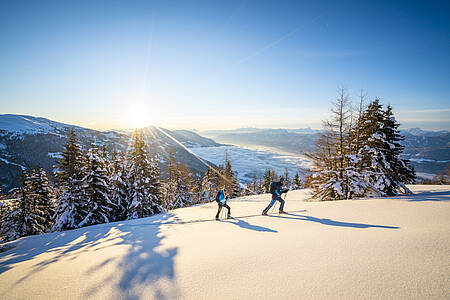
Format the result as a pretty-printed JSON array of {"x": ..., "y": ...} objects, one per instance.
[
  {"x": 23, "y": 124},
  {"x": 362, "y": 249}
]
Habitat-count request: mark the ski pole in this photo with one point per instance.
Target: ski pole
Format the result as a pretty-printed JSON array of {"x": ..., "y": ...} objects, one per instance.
[{"x": 273, "y": 207}]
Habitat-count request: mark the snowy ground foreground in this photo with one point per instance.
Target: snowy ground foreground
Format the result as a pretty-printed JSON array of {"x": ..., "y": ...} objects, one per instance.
[{"x": 362, "y": 249}]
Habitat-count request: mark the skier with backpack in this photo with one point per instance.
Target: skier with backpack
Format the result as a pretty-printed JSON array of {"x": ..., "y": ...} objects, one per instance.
[
  {"x": 221, "y": 199},
  {"x": 276, "y": 191}
]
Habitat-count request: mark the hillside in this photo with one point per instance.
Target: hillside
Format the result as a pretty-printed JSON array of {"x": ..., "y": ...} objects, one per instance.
[
  {"x": 27, "y": 141},
  {"x": 361, "y": 249}
]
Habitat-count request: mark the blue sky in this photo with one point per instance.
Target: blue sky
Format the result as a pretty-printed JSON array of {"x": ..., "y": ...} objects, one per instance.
[{"x": 225, "y": 64}]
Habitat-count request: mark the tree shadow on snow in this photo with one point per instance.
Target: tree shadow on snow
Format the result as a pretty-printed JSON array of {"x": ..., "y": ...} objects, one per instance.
[
  {"x": 139, "y": 267},
  {"x": 331, "y": 222},
  {"x": 429, "y": 196}
]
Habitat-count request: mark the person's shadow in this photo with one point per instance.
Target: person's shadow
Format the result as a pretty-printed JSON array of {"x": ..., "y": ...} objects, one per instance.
[
  {"x": 246, "y": 225},
  {"x": 331, "y": 222}
]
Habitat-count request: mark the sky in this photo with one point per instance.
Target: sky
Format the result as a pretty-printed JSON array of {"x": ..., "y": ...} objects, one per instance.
[{"x": 222, "y": 65}]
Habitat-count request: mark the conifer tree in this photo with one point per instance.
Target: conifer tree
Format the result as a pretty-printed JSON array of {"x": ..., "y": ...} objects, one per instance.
[
  {"x": 26, "y": 215},
  {"x": 196, "y": 190},
  {"x": 176, "y": 193},
  {"x": 44, "y": 198},
  {"x": 120, "y": 188},
  {"x": 72, "y": 205},
  {"x": 374, "y": 162},
  {"x": 230, "y": 181},
  {"x": 268, "y": 177},
  {"x": 334, "y": 175},
  {"x": 401, "y": 171},
  {"x": 143, "y": 181},
  {"x": 10, "y": 218},
  {"x": 287, "y": 179},
  {"x": 210, "y": 184},
  {"x": 255, "y": 185},
  {"x": 96, "y": 188},
  {"x": 296, "y": 182}
]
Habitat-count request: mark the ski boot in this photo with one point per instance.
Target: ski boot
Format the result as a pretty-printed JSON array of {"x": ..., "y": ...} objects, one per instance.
[{"x": 283, "y": 212}]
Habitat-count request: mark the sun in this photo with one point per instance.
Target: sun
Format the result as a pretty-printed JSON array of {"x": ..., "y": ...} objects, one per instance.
[{"x": 138, "y": 116}]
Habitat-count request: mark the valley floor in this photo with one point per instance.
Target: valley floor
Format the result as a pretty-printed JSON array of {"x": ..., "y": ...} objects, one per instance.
[{"x": 361, "y": 249}]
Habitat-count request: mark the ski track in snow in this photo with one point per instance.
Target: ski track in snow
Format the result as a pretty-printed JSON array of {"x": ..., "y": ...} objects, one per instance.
[{"x": 362, "y": 249}]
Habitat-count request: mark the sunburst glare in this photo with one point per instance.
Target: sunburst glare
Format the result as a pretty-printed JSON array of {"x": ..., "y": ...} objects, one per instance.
[{"x": 138, "y": 116}]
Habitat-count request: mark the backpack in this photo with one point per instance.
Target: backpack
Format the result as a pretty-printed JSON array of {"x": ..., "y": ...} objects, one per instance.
[
  {"x": 273, "y": 187},
  {"x": 218, "y": 195}
]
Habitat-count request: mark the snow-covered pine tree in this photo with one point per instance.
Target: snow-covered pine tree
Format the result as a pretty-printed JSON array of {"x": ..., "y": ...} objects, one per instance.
[
  {"x": 324, "y": 175},
  {"x": 247, "y": 190},
  {"x": 72, "y": 205},
  {"x": 210, "y": 184},
  {"x": 189, "y": 180},
  {"x": 186, "y": 175},
  {"x": 44, "y": 197},
  {"x": 374, "y": 161},
  {"x": 255, "y": 185},
  {"x": 97, "y": 188},
  {"x": 296, "y": 182},
  {"x": 10, "y": 215},
  {"x": 401, "y": 171},
  {"x": 334, "y": 176},
  {"x": 356, "y": 176},
  {"x": 143, "y": 181},
  {"x": 120, "y": 188},
  {"x": 25, "y": 216},
  {"x": 268, "y": 177},
  {"x": 230, "y": 181},
  {"x": 196, "y": 190},
  {"x": 175, "y": 192}
]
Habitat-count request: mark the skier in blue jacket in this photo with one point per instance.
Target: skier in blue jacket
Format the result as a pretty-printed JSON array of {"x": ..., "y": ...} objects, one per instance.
[
  {"x": 276, "y": 191},
  {"x": 221, "y": 199}
]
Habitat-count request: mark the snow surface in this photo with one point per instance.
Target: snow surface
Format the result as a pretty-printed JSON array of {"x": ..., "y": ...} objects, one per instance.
[
  {"x": 246, "y": 162},
  {"x": 23, "y": 124},
  {"x": 55, "y": 154},
  {"x": 12, "y": 163},
  {"x": 425, "y": 175},
  {"x": 361, "y": 249}
]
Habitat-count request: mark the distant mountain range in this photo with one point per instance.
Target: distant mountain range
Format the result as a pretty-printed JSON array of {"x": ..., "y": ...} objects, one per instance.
[
  {"x": 27, "y": 141},
  {"x": 429, "y": 151}
]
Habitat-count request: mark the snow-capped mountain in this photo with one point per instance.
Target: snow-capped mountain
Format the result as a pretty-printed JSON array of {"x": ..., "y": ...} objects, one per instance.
[
  {"x": 17, "y": 125},
  {"x": 27, "y": 141}
]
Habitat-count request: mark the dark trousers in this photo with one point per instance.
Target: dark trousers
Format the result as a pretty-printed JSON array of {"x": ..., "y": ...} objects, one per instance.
[
  {"x": 220, "y": 208},
  {"x": 275, "y": 198}
]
